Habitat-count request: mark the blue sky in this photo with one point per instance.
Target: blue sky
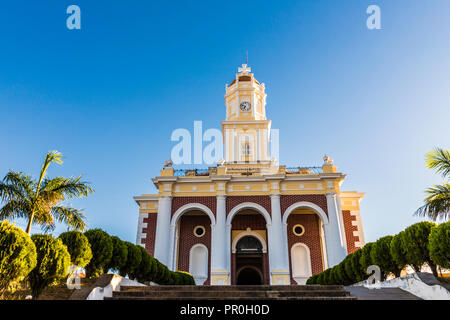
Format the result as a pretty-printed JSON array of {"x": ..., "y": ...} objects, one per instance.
[{"x": 374, "y": 100}]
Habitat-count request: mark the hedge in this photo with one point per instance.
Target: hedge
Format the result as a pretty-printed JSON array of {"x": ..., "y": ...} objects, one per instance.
[
  {"x": 17, "y": 255},
  {"x": 423, "y": 242}
]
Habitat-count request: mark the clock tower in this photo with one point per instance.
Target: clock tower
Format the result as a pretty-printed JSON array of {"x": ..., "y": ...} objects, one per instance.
[{"x": 246, "y": 130}]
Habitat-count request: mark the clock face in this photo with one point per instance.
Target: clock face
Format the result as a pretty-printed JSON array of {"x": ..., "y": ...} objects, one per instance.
[{"x": 245, "y": 106}]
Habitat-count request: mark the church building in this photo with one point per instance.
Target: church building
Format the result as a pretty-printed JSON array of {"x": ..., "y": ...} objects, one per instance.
[{"x": 250, "y": 220}]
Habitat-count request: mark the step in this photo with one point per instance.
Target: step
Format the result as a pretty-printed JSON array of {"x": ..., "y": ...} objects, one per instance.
[
  {"x": 233, "y": 288},
  {"x": 231, "y": 298},
  {"x": 239, "y": 294}
]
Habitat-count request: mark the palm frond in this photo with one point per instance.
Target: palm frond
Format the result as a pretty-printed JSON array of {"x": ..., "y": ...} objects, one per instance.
[
  {"x": 20, "y": 185},
  {"x": 67, "y": 188},
  {"x": 439, "y": 159},
  {"x": 15, "y": 209},
  {"x": 52, "y": 156},
  {"x": 72, "y": 217},
  {"x": 437, "y": 203}
]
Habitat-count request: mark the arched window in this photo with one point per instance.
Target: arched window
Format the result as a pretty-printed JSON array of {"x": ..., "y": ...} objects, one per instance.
[
  {"x": 198, "y": 263},
  {"x": 301, "y": 263}
]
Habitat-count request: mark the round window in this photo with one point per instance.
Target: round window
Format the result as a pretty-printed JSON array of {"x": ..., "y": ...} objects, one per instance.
[
  {"x": 298, "y": 230},
  {"x": 199, "y": 231}
]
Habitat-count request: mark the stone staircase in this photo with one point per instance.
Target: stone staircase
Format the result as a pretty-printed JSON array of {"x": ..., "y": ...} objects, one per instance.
[{"x": 310, "y": 292}]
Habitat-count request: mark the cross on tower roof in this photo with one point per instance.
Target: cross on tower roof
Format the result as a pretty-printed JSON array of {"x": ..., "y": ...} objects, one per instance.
[{"x": 244, "y": 69}]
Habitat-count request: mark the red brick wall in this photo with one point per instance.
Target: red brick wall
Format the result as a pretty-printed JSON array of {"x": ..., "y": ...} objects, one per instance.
[
  {"x": 210, "y": 202},
  {"x": 311, "y": 238},
  {"x": 318, "y": 199},
  {"x": 253, "y": 221},
  {"x": 150, "y": 233},
  {"x": 187, "y": 240},
  {"x": 349, "y": 228},
  {"x": 233, "y": 201}
]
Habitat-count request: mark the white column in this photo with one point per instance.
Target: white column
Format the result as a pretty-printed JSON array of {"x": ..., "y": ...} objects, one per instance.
[
  {"x": 334, "y": 232},
  {"x": 278, "y": 252},
  {"x": 163, "y": 241},
  {"x": 219, "y": 265}
]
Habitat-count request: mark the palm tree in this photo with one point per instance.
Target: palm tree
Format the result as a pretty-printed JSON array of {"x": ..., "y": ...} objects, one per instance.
[
  {"x": 437, "y": 204},
  {"x": 40, "y": 201}
]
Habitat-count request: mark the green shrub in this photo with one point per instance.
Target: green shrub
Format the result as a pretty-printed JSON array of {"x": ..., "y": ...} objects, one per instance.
[
  {"x": 78, "y": 246},
  {"x": 366, "y": 259},
  {"x": 381, "y": 256},
  {"x": 416, "y": 244},
  {"x": 119, "y": 256},
  {"x": 17, "y": 255},
  {"x": 144, "y": 271},
  {"x": 53, "y": 262},
  {"x": 398, "y": 251},
  {"x": 134, "y": 259},
  {"x": 102, "y": 249},
  {"x": 439, "y": 245}
]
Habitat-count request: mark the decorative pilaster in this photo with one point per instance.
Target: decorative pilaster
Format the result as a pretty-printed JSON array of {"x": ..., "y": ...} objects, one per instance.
[
  {"x": 278, "y": 252},
  {"x": 219, "y": 270},
  {"x": 162, "y": 238},
  {"x": 334, "y": 232}
]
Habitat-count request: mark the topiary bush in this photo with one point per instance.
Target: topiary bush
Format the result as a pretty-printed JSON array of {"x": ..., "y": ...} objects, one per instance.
[
  {"x": 102, "y": 250},
  {"x": 144, "y": 271},
  {"x": 366, "y": 259},
  {"x": 417, "y": 245},
  {"x": 119, "y": 256},
  {"x": 398, "y": 251},
  {"x": 439, "y": 245},
  {"x": 17, "y": 255},
  {"x": 134, "y": 259},
  {"x": 381, "y": 256},
  {"x": 53, "y": 262},
  {"x": 78, "y": 246}
]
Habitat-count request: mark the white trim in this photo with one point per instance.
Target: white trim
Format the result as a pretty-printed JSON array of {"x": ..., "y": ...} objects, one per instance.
[
  {"x": 309, "y": 205},
  {"x": 248, "y": 205},
  {"x": 189, "y": 207},
  {"x": 141, "y": 225},
  {"x": 249, "y": 232}
]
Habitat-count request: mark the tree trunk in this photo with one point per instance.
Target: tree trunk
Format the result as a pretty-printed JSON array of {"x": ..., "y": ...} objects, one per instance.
[
  {"x": 30, "y": 222},
  {"x": 433, "y": 269}
]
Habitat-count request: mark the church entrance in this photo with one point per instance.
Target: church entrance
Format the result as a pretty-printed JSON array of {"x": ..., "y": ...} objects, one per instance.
[{"x": 249, "y": 261}]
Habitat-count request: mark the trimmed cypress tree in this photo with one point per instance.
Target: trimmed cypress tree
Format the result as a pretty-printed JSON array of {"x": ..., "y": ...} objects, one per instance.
[
  {"x": 17, "y": 255},
  {"x": 398, "y": 251},
  {"x": 417, "y": 245},
  {"x": 119, "y": 256},
  {"x": 366, "y": 259},
  {"x": 78, "y": 246},
  {"x": 102, "y": 249},
  {"x": 381, "y": 256},
  {"x": 439, "y": 245},
  {"x": 134, "y": 259},
  {"x": 53, "y": 262},
  {"x": 359, "y": 272}
]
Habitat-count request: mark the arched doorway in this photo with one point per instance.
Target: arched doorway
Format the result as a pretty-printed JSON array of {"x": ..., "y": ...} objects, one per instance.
[{"x": 249, "y": 261}]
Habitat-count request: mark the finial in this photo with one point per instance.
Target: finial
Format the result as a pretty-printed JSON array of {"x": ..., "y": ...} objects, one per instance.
[
  {"x": 327, "y": 160},
  {"x": 168, "y": 164},
  {"x": 244, "y": 69},
  {"x": 246, "y": 60}
]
